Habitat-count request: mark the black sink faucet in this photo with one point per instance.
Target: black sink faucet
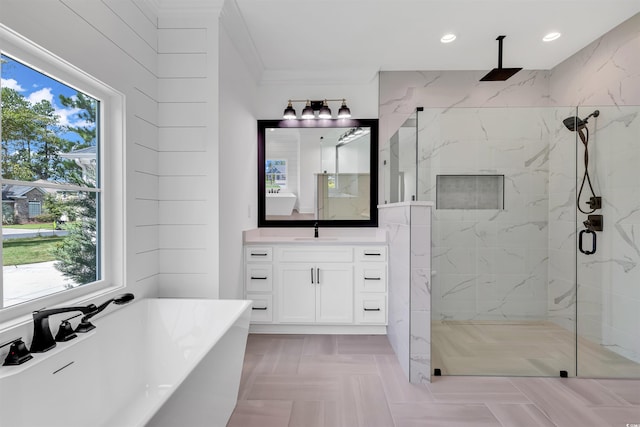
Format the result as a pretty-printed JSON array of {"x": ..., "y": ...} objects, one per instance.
[
  {"x": 42, "y": 337},
  {"x": 315, "y": 230}
]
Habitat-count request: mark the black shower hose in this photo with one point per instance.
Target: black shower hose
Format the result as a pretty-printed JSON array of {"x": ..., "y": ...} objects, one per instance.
[{"x": 585, "y": 140}]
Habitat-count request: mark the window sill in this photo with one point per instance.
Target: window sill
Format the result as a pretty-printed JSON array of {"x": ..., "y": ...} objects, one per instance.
[{"x": 9, "y": 323}]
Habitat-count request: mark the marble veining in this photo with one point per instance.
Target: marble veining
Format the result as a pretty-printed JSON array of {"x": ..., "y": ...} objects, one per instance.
[{"x": 409, "y": 330}]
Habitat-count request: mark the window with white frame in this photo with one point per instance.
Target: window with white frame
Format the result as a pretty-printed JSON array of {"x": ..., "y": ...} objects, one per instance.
[{"x": 56, "y": 120}]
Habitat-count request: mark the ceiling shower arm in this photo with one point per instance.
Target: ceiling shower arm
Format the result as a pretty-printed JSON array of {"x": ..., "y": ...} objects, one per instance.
[{"x": 500, "y": 38}]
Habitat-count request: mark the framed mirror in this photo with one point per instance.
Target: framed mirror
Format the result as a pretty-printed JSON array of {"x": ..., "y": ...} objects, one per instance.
[{"x": 323, "y": 171}]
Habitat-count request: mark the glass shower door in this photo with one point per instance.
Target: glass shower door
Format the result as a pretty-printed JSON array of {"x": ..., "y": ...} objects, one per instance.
[
  {"x": 503, "y": 253},
  {"x": 608, "y": 261}
]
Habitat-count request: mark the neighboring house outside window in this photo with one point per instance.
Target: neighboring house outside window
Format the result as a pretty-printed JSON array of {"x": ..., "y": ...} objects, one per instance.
[{"x": 21, "y": 202}]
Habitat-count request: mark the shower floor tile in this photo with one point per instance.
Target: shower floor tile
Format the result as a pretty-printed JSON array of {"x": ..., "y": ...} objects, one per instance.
[{"x": 534, "y": 348}]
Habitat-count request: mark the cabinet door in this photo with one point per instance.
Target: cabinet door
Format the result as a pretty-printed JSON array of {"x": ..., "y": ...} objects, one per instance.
[
  {"x": 296, "y": 293},
  {"x": 334, "y": 293}
]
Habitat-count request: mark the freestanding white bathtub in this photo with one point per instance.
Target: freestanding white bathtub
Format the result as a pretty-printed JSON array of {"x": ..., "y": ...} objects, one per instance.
[
  {"x": 280, "y": 203},
  {"x": 155, "y": 362}
]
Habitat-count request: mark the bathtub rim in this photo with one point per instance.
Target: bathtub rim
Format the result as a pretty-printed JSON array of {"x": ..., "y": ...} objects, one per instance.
[{"x": 9, "y": 371}]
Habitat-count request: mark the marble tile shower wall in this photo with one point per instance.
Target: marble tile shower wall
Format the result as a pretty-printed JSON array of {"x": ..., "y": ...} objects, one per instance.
[
  {"x": 489, "y": 263},
  {"x": 408, "y": 227}
]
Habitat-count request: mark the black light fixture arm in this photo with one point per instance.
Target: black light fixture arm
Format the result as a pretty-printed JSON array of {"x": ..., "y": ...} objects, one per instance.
[{"x": 320, "y": 101}]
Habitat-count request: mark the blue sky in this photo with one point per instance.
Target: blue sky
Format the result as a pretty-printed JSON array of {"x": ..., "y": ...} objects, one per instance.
[{"x": 35, "y": 86}]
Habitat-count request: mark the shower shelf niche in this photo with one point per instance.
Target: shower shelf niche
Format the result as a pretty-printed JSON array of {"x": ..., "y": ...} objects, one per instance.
[{"x": 470, "y": 192}]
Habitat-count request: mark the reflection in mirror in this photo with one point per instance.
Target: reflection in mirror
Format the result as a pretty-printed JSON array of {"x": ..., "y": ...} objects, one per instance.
[
  {"x": 402, "y": 166},
  {"x": 321, "y": 173}
]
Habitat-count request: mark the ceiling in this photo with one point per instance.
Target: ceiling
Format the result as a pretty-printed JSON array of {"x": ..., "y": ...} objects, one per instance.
[{"x": 286, "y": 37}]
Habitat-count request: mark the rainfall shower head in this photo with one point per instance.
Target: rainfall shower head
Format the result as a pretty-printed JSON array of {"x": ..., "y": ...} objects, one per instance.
[
  {"x": 575, "y": 123},
  {"x": 499, "y": 74}
]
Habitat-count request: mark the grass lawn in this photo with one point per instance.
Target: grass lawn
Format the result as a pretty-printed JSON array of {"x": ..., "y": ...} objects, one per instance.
[
  {"x": 28, "y": 251},
  {"x": 35, "y": 226}
]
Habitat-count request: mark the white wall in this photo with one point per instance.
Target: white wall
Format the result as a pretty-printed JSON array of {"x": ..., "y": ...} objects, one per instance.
[
  {"x": 238, "y": 164},
  {"x": 114, "y": 41}
]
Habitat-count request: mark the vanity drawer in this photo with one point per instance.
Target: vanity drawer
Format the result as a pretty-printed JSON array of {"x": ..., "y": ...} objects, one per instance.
[
  {"x": 371, "y": 253},
  {"x": 258, "y": 253},
  {"x": 371, "y": 277},
  {"x": 320, "y": 254},
  {"x": 259, "y": 277},
  {"x": 371, "y": 308},
  {"x": 262, "y": 308}
]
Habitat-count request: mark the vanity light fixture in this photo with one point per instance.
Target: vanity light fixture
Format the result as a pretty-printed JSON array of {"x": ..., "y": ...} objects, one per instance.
[
  {"x": 351, "y": 135},
  {"x": 551, "y": 36},
  {"x": 448, "y": 38},
  {"x": 313, "y": 106}
]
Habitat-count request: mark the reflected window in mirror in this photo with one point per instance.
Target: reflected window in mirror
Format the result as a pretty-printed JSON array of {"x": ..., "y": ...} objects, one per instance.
[
  {"x": 276, "y": 175},
  {"x": 317, "y": 171}
]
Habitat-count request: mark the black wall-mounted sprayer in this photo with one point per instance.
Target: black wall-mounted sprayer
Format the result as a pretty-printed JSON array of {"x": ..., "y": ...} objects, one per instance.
[{"x": 593, "y": 222}]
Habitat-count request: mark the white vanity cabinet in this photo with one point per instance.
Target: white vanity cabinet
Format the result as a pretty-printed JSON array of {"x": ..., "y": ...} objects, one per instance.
[{"x": 295, "y": 287}]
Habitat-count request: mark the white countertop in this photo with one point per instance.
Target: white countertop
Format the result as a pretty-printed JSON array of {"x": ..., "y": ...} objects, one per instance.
[{"x": 327, "y": 236}]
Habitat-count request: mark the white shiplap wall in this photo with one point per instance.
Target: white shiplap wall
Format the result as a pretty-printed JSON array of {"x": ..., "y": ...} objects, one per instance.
[{"x": 188, "y": 153}]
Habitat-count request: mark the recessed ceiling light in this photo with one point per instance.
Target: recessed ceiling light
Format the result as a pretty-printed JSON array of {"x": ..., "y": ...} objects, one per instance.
[
  {"x": 448, "y": 38},
  {"x": 551, "y": 36}
]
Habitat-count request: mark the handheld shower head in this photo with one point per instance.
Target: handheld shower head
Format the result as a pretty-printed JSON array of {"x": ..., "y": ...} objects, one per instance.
[
  {"x": 123, "y": 299},
  {"x": 575, "y": 123}
]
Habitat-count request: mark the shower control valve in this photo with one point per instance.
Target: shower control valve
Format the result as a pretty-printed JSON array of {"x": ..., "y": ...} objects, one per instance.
[
  {"x": 593, "y": 223},
  {"x": 595, "y": 202}
]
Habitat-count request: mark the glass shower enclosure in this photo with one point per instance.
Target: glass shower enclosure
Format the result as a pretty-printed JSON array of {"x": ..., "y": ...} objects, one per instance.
[{"x": 512, "y": 294}]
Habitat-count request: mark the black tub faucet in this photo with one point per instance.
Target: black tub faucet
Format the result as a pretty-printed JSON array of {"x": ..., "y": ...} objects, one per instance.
[
  {"x": 42, "y": 337},
  {"x": 315, "y": 230}
]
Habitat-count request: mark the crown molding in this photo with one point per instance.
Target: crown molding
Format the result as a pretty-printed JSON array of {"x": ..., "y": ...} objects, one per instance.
[
  {"x": 236, "y": 28},
  {"x": 193, "y": 5}
]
